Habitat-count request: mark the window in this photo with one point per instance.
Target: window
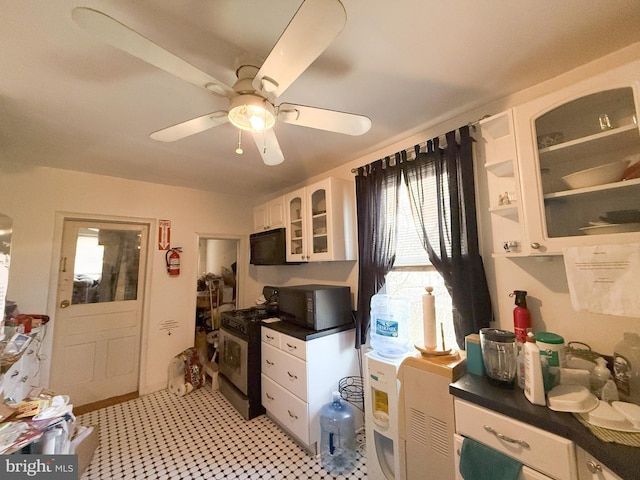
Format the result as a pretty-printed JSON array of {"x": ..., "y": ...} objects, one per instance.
[{"x": 412, "y": 272}]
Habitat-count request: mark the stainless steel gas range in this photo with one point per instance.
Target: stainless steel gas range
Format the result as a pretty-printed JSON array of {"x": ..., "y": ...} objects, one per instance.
[{"x": 239, "y": 359}]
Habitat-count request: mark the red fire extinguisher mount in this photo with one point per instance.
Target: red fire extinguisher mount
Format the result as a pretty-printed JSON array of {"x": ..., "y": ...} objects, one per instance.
[{"x": 172, "y": 258}]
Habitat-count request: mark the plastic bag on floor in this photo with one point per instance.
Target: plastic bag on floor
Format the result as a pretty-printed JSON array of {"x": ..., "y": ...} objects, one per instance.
[{"x": 185, "y": 373}]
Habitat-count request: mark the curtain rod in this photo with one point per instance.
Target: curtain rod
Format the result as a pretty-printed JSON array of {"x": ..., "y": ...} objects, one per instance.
[{"x": 410, "y": 151}]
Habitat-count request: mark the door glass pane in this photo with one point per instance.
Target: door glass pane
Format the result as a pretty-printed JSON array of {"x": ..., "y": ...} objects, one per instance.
[{"x": 106, "y": 265}]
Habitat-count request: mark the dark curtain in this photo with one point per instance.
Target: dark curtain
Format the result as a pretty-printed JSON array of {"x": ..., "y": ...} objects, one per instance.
[
  {"x": 376, "y": 203},
  {"x": 444, "y": 176}
]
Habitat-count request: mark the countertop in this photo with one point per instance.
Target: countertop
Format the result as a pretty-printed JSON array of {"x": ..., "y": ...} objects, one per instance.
[
  {"x": 302, "y": 333},
  {"x": 620, "y": 459}
]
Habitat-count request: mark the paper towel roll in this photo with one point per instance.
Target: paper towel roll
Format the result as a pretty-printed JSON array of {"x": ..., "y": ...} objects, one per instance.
[
  {"x": 429, "y": 319},
  {"x": 184, "y": 389}
]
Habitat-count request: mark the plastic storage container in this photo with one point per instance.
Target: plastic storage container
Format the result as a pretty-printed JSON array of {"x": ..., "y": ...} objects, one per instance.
[
  {"x": 337, "y": 436},
  {"x": 626, "y": 367},
  {"x": 552, "y": 346},
  {"x": 390, "y": 325}
]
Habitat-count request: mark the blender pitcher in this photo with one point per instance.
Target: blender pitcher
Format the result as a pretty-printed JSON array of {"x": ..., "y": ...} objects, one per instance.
[{"x": 500, "y": 355}]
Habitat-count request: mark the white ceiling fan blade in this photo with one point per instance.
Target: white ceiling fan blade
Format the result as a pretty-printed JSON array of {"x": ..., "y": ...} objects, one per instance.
[
  {"x": 311, "y": 30},
  {"x": 190, "y": 127},
  {"x": 122, "y": 37},
  {"x": 268, "y": 146},
  {"x": 330, "y": 120}
]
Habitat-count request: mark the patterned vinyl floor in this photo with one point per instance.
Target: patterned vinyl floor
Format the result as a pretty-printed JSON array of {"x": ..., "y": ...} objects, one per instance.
[{"x": 198, "y": 436}]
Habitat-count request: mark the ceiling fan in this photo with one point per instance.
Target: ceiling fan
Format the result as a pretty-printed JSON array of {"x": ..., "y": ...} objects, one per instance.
[{"x": 251, "y": 99}]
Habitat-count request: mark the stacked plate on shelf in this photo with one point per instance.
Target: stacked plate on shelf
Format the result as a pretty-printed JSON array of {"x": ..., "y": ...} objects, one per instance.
[{"x": 618, "y": 221}]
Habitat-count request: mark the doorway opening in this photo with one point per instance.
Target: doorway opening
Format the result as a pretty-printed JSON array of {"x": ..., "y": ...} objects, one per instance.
[{"x": 216, "y": 292}]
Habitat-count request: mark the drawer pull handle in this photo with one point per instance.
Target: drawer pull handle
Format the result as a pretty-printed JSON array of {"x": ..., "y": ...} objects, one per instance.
[
  {"x": 503, "y": 437},
  {"x": 15, "y": 374},
  {"x": 269, "y": 362},
  {"x": 24, "y": 379},
  {"x": 292, "y": 415},
  {"x": 292, "y": 376},
  {"x": 270, "y": 337},
  {"x": 292, "y": 347},
  {"x": 594, "y": 467},
  {"x": 270, "y": 397}
]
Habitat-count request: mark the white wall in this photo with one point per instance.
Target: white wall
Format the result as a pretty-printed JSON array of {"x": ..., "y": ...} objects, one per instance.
[{"x": 37, "y": 198}]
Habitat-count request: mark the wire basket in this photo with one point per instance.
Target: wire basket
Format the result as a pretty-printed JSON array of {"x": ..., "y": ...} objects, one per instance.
[
  {"x": 582, "y": 350},
  {"x": 352, "y": 390}
]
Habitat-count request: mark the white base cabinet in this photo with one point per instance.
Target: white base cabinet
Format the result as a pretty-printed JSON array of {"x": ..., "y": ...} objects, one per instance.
[
  {"x": 550, "y": 455},
  {"x": 589, "y": 468},
  {"x": 298, "y": 378}
]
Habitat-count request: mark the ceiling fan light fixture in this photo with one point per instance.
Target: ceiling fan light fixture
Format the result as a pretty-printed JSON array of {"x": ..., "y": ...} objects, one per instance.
[{"x": 252, "y": 113}]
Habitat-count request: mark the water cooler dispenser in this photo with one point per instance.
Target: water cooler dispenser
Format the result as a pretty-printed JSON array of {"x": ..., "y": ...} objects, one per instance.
[
  {"x": 426, "y": 416},
  {"x": 381, "y": 393}
]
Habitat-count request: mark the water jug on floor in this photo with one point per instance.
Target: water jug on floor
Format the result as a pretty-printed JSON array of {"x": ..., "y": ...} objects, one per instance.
[{"x": 337, "y": 436}]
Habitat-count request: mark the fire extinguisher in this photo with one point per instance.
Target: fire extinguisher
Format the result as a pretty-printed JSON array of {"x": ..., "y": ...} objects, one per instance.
[{"x": 173, "y": 261}]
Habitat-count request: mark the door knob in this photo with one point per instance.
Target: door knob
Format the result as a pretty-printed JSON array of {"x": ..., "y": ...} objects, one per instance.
[{"x": 64, "y": 304}]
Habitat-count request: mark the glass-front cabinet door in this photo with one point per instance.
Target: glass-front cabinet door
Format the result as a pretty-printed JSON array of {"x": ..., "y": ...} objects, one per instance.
[
  {"x": 320, "y": 222},
  {"x": 579, "y": 168},
  {"x": 319, "y": 225},
  {"x": 296, "y": 226}
]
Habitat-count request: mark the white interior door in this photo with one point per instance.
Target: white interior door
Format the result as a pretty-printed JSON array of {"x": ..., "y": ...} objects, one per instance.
[{"x": 96, "y": 348}]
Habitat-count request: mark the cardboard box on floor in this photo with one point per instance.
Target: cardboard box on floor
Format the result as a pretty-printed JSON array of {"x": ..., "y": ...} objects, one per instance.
[{"x": 85, "y": 448}]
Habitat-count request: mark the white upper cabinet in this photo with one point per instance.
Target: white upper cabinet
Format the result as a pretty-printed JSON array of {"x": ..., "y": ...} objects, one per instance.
[
  {"x": 269, "y": 216},
  {"x": 320, "y": 222},
  {"x": 589, "y": 131}
]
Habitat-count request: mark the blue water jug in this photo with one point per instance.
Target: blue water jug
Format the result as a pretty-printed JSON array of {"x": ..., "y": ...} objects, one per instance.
[
  {"x": 337, "y": 436},
  {"x": 390, "y": 325}
]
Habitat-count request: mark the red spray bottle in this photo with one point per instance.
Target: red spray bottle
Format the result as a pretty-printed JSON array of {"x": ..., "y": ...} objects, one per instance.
[{"x": 521, "y": 316}]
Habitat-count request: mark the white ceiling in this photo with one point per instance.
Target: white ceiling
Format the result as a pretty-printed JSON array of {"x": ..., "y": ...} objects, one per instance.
[{"x": 69, "y": 101}]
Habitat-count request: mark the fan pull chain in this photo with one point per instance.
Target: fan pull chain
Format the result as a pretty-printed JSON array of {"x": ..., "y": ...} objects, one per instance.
[
  {"x": 239, "y": 150},
  {"x": 264, "y": 134}
]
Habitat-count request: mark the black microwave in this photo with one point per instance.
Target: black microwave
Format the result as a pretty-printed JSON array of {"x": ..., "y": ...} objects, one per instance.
[
  {"x": 268, "y": 248},
  {"x": 316, "y": 307}
]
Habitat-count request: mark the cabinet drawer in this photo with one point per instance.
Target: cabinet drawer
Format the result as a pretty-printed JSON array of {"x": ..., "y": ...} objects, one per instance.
[
  {"x": 270, "y": 336},
  {"x": 539, "y": 449},
  {"x": 287, "y": 409},
  {"x": 294, "y": 346},
  {"x": 525, "y": 474},
  {"x": 285, "y": 369}
]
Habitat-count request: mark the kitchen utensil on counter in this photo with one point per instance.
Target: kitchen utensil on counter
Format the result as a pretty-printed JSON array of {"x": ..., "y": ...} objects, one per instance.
[{"x": 500, "y": 355}]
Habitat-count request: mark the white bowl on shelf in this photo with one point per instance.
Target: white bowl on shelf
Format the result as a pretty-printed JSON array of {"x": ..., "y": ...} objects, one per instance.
[{"x": 600, "y": 175}]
